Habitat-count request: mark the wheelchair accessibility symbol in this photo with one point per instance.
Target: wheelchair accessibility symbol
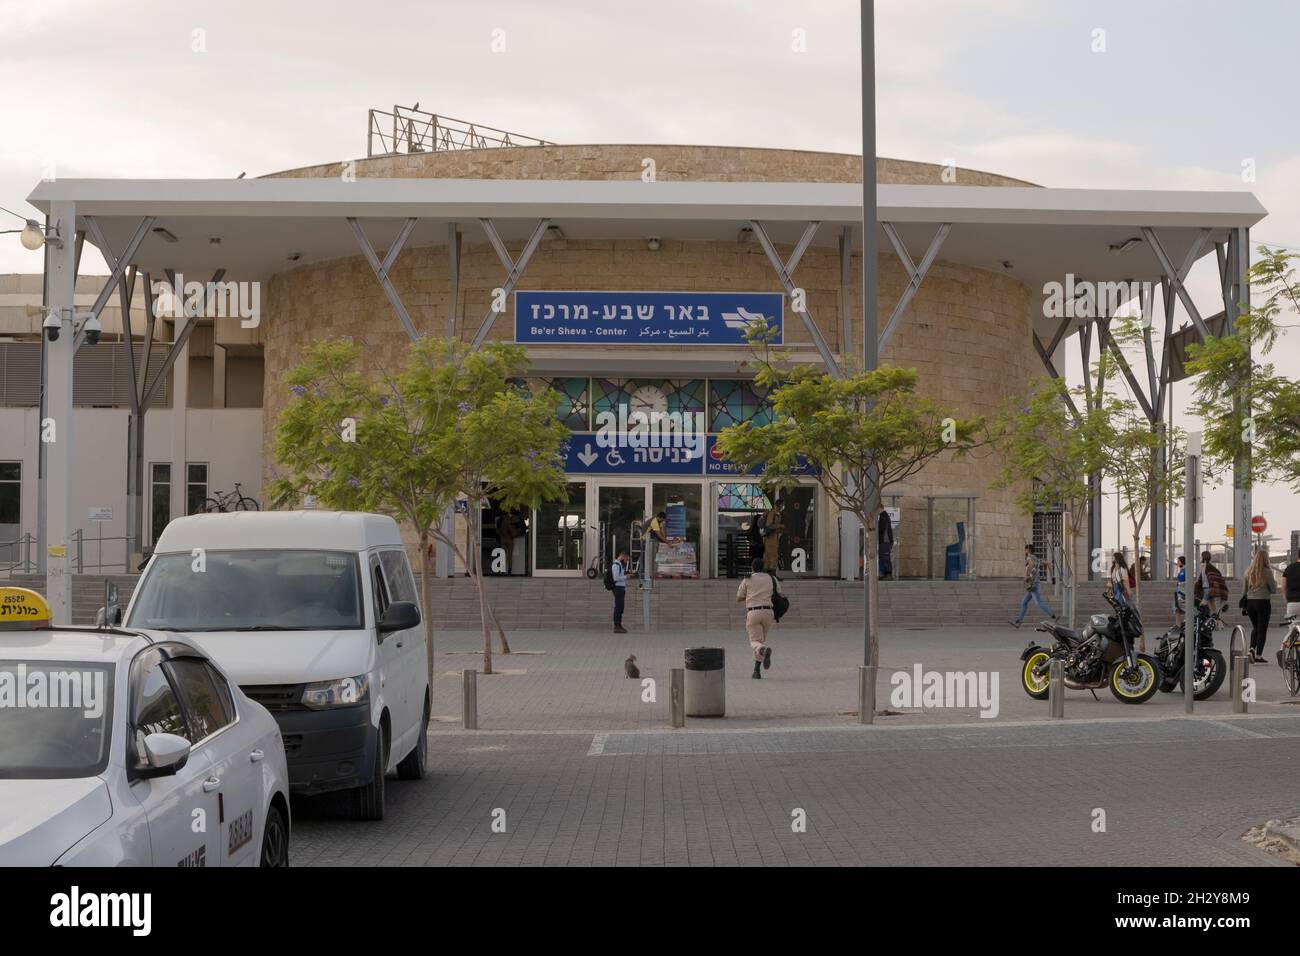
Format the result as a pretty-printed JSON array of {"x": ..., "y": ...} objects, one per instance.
[{"x": 613, "y": 458}]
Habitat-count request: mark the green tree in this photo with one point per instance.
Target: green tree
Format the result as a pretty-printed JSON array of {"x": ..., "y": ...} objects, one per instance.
[
  {"x": 856, "y": 436},
  {"x": 1058, "y": 448},
  {"x": 1131, "y": 449},
  {"x": 1267, "y": 428},
  {"x": 451, "y": 425}
]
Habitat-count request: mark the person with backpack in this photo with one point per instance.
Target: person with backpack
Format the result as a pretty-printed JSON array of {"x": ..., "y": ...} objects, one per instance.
[
  {"x": 1210, "y": 588},
  {"x": 1121, "y": 580},
  {"x": 616, "y": 581},
  {"x": 757, "y": 592},
  {"x": 1033, "y": 576}
]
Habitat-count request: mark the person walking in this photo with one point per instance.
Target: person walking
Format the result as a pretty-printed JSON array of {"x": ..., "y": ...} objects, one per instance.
[
  {"x": 1121, "y": 580},
  {"x": 1210, "y": 588},
  {"x": 1033, "y": 576},
  {"x": 756, "y": 593},
  {"x": 1180, "y": 591},
  {"x": 618, "y": 570},
  {"x": 1292, "y": 578},
  {"x": 773, "y": 525},
  {"x": 1260, "y": 588}
]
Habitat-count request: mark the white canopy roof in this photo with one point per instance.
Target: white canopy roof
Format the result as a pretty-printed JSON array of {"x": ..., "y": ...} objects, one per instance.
[{"x": 270, "y": 225}]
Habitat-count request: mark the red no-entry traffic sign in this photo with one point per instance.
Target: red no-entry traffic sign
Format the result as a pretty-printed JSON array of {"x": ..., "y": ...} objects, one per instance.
[{"x": 1258, "y": 524}]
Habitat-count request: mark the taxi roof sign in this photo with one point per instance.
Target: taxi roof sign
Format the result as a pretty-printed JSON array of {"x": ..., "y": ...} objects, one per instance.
[{"x": 22, "y": 609}]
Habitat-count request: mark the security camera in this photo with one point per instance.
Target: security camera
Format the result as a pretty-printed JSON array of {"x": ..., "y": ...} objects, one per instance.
[
  {"x": 52, "y": 325},
  {"x": 93, "y": 330}
]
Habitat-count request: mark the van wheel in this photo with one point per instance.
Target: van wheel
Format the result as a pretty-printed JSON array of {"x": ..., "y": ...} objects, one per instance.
[
  {"x": 368, "y": 799},
  {"x": 275, "y": 839},
  {"x": 414, "y": 764}
]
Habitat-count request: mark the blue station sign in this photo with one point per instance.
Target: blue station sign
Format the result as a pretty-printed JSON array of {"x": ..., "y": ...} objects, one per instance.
[
  {"x": 645, "y": 318},
  {"x": 623, "y": 455}
]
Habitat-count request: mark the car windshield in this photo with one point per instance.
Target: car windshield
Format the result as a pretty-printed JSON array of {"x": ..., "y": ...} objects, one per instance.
[
  {"x": 250, "y": 591},
  {"x": 55, "y": 719}
]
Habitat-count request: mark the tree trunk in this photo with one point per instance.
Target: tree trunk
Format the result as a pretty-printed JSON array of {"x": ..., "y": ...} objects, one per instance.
[
  {"x": 426, "y": 601},
  {"x": 1137, "y": 589},
  {"x": 501, "y": 631}
]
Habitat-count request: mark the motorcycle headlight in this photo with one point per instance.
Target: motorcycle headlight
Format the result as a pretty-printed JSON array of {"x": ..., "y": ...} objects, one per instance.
[{"x": 344, "y": 692}]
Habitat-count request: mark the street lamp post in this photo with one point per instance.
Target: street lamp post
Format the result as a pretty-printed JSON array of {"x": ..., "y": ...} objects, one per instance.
[{"x": 870, "y": 347}]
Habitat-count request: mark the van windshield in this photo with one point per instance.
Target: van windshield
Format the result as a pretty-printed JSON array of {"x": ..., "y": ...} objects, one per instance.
[{"x": 250, "y": 591}]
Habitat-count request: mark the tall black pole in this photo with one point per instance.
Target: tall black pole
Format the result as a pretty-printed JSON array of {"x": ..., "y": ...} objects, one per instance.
[{"x": 870, "y": 348}]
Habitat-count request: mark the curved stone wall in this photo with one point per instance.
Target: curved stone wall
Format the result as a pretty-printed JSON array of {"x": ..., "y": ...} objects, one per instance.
[{"x": 967, "y": 330}]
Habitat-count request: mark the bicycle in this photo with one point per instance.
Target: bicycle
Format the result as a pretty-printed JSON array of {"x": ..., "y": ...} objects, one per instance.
[
  {"x": 1288, "y": 657},
  {"x": 221, "y": 501}
]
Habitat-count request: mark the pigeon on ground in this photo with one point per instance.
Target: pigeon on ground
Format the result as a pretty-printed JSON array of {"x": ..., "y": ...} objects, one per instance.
[{"x": 630, "y": 667}]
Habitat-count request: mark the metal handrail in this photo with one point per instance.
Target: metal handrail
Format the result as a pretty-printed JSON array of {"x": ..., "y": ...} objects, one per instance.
[
  {"x": 79, "y": 541},
  {"x": 410, "y": 130},
  {"x": 28, "y": 564}
]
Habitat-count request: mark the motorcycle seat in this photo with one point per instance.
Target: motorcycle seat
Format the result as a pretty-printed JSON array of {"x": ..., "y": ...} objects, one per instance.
[{"x": 1068, "y": 633}]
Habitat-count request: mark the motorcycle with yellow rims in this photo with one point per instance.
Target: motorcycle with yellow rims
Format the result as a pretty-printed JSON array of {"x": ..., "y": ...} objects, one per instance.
[{"x": 1104, "y": 654}]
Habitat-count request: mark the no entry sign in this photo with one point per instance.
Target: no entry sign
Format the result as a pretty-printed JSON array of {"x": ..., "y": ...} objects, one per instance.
[{"x": 1258, "y": 524}]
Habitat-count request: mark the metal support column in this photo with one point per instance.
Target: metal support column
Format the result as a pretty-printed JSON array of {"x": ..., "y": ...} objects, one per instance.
[
  {"x": 1239, "y": 246},
  {"x": 514, "y": 269},
  {"x": 56, "y": 427},
  {"x": 784, "y": 272}
]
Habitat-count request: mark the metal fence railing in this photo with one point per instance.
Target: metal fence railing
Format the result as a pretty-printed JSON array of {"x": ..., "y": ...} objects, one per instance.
[
  {"x": 410, "y": 130},
  {"x": 19, "y": 555},
  {"x": 81, "y": 545}
]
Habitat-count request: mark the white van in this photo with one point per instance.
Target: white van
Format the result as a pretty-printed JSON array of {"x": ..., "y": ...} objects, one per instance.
[{"x": 316, "y": 617}]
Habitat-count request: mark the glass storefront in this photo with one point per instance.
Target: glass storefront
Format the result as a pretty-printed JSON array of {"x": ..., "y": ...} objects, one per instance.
[
  {"x": 681, "y": 504},
  {"x": 617, "y": 507},
  {"x": 561, "y": 532},
  {"x": 952, "y": 537}
]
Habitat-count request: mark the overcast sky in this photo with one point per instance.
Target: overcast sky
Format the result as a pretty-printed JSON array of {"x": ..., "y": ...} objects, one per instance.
[{"x": 1184, "y": 93}]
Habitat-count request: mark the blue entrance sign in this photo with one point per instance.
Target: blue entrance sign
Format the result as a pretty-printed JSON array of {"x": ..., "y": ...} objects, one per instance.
[
  {"x": 588, "y": 457},
  {"x": 644, "y": 318}
]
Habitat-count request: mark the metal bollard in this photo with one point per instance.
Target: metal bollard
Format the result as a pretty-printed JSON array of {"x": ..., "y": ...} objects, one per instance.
[
  {"x": 1056, "y": 688},
  {"x": 677, "y": 697},
  {"x": 866, "y": 693},
  {"x": 469, "y": 699},
  {"x": 1238, "y": 669}
]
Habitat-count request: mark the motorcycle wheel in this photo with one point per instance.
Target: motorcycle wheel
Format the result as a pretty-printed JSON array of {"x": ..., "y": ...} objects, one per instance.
[
  {"x": 1035, "y": 686},
  {"x": 1136, "y": 686},
  {"x": 1208, "y": 683}
]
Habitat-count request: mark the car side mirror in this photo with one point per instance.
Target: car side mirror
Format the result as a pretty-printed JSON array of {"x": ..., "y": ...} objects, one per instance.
[
  {"x": 400, "y": 616},
  {"x": 110, "y": 617},
  {"x": 165, "y": 754}
]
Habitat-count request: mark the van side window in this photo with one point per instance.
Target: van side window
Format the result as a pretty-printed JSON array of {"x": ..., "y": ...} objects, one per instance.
[
  {"x": 398, "y": 574},
  {"x": 381, "y": 589}
]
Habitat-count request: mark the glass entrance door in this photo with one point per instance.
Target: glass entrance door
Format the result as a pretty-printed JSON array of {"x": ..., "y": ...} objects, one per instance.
[
  {"x": 617, "y": 506},
  {"x": 560, "y": 532}
]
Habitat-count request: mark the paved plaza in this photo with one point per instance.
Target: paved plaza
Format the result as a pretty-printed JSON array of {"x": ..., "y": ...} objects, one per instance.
[{"x": 588, "y": 773}]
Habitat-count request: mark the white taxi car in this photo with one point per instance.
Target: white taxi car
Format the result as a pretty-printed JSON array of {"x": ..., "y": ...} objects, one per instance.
[{"x": 121, "y": 749}]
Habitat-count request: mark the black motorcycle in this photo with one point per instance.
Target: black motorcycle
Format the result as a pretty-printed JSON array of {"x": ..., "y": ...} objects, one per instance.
[
  {"x": 1104, "y": 654},
  {"x": 1210, "y": 667}
]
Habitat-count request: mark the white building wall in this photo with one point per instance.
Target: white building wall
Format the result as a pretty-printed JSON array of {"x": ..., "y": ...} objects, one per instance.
[{"x": 228, "y": 440}]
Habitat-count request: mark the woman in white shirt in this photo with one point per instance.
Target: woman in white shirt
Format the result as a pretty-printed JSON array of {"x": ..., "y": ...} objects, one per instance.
[
  {"x": 756, "y": 592},
  {"x": 1119, "y": 587}
]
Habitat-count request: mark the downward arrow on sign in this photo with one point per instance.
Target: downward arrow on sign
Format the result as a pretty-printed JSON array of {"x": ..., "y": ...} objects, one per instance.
[{"x": 587, "y": 456}]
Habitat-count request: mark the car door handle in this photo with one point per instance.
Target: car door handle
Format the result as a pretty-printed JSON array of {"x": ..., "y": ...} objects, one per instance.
[
  {"x": 211, "y": 784},
  {"x": 256, "y": 755},
  {"x": 399, "y": 644}
]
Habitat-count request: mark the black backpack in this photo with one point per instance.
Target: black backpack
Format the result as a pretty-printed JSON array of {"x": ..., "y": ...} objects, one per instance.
[
  {"x": 609, "y": 579},
  {"x": 780, "y": 603}
]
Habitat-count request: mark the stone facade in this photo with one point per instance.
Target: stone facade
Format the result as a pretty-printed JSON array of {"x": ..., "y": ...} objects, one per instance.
[{"x": 967, "y": 330}]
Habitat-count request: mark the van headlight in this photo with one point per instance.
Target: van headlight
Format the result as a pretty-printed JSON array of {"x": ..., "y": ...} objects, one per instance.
[{"x": 344, "y": 692}]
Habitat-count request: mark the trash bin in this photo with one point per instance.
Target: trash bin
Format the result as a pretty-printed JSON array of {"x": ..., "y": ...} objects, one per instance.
[{"x": 706, "y": 682}]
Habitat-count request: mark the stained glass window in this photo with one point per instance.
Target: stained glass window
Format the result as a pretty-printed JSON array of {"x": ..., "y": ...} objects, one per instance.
[
  {"x": 573, "y": 405},
  {"x": 682, "y": 395},
  {"x": 742, "y": 496},
  {"x": 732, "y": 401}
]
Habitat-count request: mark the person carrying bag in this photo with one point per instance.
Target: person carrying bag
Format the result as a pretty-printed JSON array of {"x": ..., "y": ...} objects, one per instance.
[{"x": 760, "y": 596}]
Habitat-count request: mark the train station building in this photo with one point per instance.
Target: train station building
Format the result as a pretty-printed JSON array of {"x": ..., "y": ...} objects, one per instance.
[{"x": 626, "y": 271}]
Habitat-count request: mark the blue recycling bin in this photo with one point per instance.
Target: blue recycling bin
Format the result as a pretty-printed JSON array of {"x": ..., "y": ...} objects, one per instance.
[{"x": 954, "y": 556}]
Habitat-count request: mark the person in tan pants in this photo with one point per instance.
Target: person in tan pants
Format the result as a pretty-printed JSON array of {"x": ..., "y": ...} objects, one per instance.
[{"x": 756, "y": 592}]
